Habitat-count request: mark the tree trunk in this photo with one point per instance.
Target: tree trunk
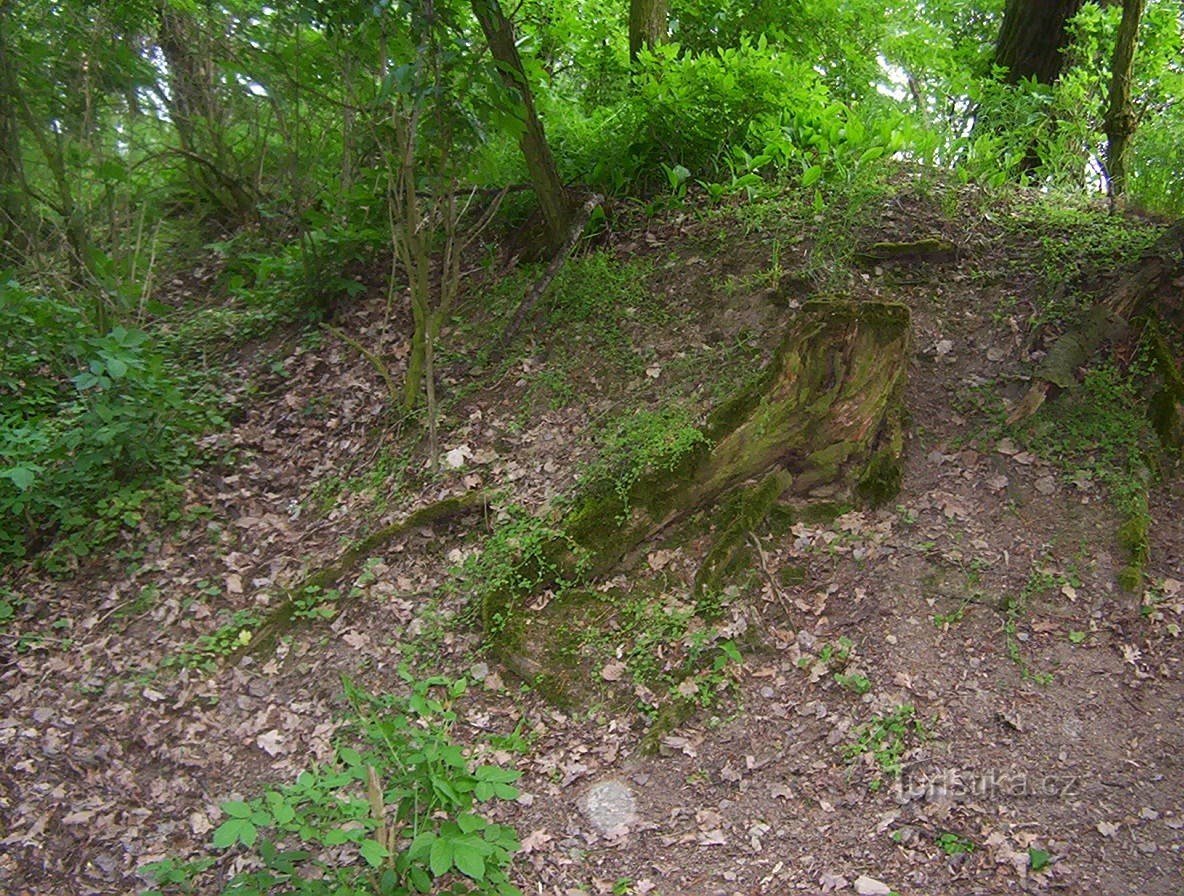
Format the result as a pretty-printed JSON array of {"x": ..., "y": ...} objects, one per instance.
[
  {"x": 1031, "y": 46},
  {"x": 1120, "y": 116},
  {"x": 13, "y": 221},
  {"x": 553, "y": 197},
  {"x": 823, "y": 425},
  {"x": 647, "y": 25},
  {"x": 1033, "y": 37}
]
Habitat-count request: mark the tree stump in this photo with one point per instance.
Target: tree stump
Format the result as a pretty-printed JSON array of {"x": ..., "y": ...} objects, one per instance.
[{"x": 823, "y": 423}]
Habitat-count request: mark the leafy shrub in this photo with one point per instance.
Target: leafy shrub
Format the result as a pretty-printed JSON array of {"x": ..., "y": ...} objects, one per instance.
[
  {"x": 396, "y": 816},
  {"x": 87, "y": 423},
  {"x": 734, "y": 115}
]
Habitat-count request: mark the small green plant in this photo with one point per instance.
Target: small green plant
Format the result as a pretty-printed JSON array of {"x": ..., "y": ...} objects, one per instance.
[
  {"x": 1038, "y": 859},
  {"x": 315, "y": 602},
  {"x": 835, "y": 655},
  {"x": 397, "y": 814},
  {"x": 943, "y": 620},
  {"x": 953, "y": 844},
  {"x": 882, "y": 741},
  {"x": 92, "y": 421},
  {"x": 521, "y": 555},
  {"x": 641, "y": 444},
  {"x": 208, "y": 649},
  {"x": 854, "y": 681}
]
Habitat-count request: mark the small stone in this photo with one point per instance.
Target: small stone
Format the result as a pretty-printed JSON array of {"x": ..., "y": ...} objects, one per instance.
[{"x": 869, "y": 886}]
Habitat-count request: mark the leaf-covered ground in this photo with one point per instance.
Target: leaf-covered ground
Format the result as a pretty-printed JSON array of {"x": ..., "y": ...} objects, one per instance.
[{"x": 1047, "y": 754}]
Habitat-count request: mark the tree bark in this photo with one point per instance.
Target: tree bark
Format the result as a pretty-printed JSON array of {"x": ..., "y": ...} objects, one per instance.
[
  {"x": 12, "y": 187},
  {"x": 824, "y": 424},
  {"x": 1120, "y": 116},
  {"x": 647, "y": 25},
  {"x": 553, "y": 197},
  {"x": 1033, "y": 37}
]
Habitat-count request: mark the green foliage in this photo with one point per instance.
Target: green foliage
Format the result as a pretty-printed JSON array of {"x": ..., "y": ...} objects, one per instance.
[
  {"x": 954, "y": 844},
  {"x": 730, "y": 118},
  {"x": 89, "y": 423},
  {"x": 882, "y": 742},
  {"x": 205, "y": 652},
  {"x": 523, "y": 553},
  {"x": 398, "y": 815},
  {"x": 643, "y": 444},
  {"x": 1099, "y": 433}
]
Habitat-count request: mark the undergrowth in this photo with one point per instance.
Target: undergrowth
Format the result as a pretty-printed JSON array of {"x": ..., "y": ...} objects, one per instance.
[{"x": 396, "y": 812}]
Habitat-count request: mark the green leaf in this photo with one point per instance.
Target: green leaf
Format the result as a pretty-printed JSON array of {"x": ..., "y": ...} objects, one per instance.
[
  {"x": 350, "y": 757},
  {"x": 811, "y": 175},
  {"x": 227, "y": 833},
  {"x": 373, "y": 852},
  {"x": 237, "y": 809},
  {"x": 870, "y": 155},
  {"x": 469, "y": 860},
  {"x": 420, "y": 880},
  {"x": 469, "y": 822},
  {"x": 1038, "y": 858},
  {"x": 440, "y": 858},
  {"x": 21, "y": 476}
]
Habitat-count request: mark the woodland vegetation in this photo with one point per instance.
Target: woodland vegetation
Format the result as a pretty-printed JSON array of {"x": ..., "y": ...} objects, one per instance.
[
  {"x": 307, "y": 143},
  {"x": 182, "y": 181}
]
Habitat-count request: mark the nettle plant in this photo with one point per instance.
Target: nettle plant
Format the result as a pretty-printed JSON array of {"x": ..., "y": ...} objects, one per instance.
[{"x": 396, "y": 815}]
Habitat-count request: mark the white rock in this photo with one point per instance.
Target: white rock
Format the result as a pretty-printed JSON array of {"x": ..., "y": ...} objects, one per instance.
[{"x": 869, "y": 886}]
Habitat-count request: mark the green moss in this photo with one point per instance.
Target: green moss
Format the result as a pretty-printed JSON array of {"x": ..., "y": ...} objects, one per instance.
[
  {"x": 791, "y": 575},
  {"x": 730, "y": 553},
  {"x": 1133, "y": 539},
  {"x": 881, "y": 478},
  {"x": 556, "y": 652},
  {"x": 670, "y": 716}
]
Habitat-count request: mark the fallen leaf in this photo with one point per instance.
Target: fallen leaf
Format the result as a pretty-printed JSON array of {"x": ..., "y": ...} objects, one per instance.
[{"x": 613, "y": 671}]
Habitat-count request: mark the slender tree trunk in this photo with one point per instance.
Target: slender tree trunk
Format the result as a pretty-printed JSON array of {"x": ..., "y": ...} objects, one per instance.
[
  {"x": 1120, "y": 115},
  {"x": 196, "y": 111},
  {"x": 1033, "y": 37},
  {"x": 553, "y": 197},
  {"x": 12, "y": 190},
  {"x": 647, "y": 25}
]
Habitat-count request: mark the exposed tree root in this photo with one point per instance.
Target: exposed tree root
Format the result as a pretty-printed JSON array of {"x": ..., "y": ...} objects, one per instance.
[{"x": 283, "y": 616}]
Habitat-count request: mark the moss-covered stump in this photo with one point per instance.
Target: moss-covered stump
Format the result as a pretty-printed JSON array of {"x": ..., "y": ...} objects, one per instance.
[{"x": 822, "y": 424}]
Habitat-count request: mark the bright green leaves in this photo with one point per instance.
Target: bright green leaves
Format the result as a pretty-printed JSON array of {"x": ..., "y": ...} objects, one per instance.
[
  {"x": 242, "y": 826},
  {"x": 493, "y": 781},
  {"x": 466, "y": 846},
  {"x": 408, "y": 777}
]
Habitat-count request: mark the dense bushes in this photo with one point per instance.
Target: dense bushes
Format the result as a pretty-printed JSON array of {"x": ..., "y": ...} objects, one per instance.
[
  {"x": 87, "y": 422},
  {"x": 713, "y": 114}
]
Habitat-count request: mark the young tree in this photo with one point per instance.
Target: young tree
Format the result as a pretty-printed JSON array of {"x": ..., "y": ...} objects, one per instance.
[
  {"x": 1120, "y": 115},
  {"x": 554, "y": 200}
]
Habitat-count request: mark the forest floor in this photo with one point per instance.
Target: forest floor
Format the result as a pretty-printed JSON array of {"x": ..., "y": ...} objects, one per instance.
[{"x": 1049, "y": 750}]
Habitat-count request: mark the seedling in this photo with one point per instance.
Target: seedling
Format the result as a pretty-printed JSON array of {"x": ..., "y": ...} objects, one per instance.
[
  {"x": 882, "y": 741},
  {"x": 953, "y": 845}
]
